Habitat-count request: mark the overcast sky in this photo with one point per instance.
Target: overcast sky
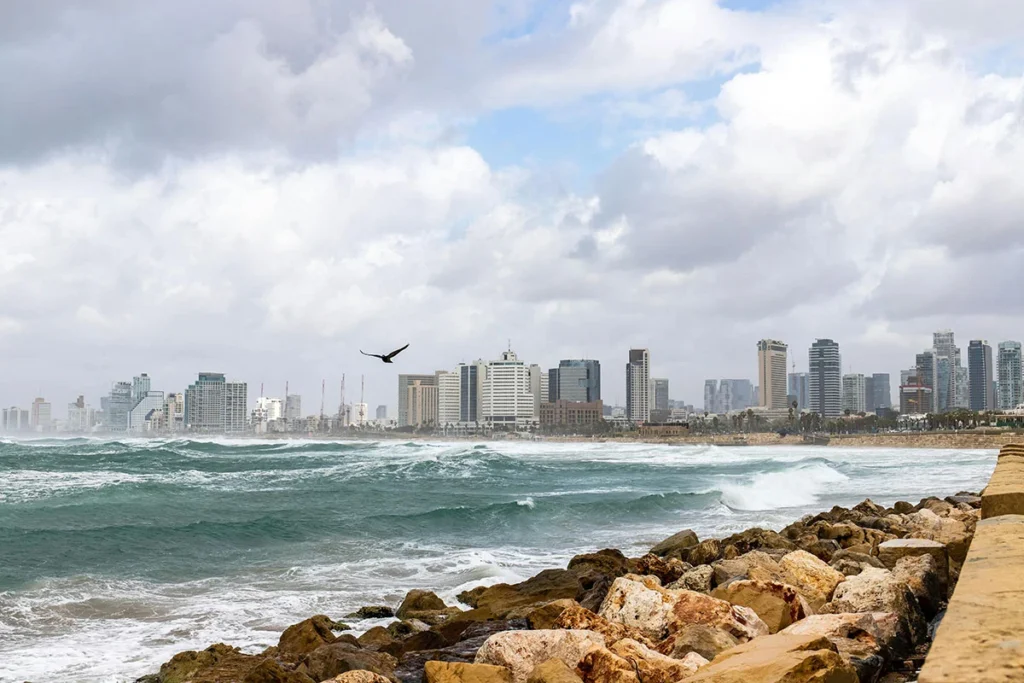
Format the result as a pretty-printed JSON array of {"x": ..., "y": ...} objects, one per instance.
[{"x": 262, "y": 187}]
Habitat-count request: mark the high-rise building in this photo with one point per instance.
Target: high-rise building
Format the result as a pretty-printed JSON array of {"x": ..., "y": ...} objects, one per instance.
[
  {"x": 292, "y": 408},
  {"x": 471, "y": 377},
  {"x": 825, "y": 378},
  {"x": 927, "y": 376},
  {"x": 403, "y": 395},
  {"x": 980, "y": 375},
  {"x": 855, "y": 397},
  {"x": 735, "y": 394},
  {"x": 174, "y": 412},
  {"x": 42, "y": 415},
  {"x": 382, "y": 412},
  {"x": 915, "y": 397},
  {"x": 15, "y": 420},
  {"x": 575, "y": 380},
  {"x": 711, "y": 396},
  {"x": 509, "y": 392},
  {"x": 118, "y": 405},
  {"x": 422, "y": 403},
  {"x": 771, "y": 374},
  {"x": 80, "y": 417},
  {"x": 448, "y": 398},
  {"x": 799, "y": 386},
  {"x": 659, "y": 387},
  {"x": 140, "y": 417},
  {"x": 215, "y": 406},
  {"x": 638, "y": 386},
  {"x": 948, "y": 371},
  {"x": 1011, "y": 391},
  {"x": 140, "y": 387},
  {"x": 880, "y": 396}
]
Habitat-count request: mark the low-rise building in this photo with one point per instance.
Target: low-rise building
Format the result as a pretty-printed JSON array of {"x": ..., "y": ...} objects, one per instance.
[{"x": 571, "y": 413}]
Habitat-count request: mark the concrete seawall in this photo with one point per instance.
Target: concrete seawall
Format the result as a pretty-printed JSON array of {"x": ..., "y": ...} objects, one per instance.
[{"x": 981, "y": 638}]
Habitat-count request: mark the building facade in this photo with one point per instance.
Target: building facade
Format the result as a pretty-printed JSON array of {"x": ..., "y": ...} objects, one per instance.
[
  {"x": 80, "y": 417},
  {"x": 382, "y": 412},
  {"x": 926, "y": 372},
  {"x": 403, "y": 395},
  {"x": 825, "y": 379},
  {"x": 569, "y": 413},
  {"x": 638, "y": 386},
  {"x": 575, "y": 380},
  {"x": 41, "y": 416},
  {"x": 471, "y": 376},
  {"x": 448, "y": 398},
  {"x": 855, "y": 397},
  {"x": 980, "y": 376},
  {"x": 660, "y": 399},
  {"x": 140, "y": 417},
  {"x": 215, "y": 406},
  {"x": 915, "y": 397},
  {"x": 771, "y": 374},
  {"x": 421, "y": 402},
  {"x": 509, "y": 392},
  {"x": 292, "y": 408},
  {"x": 799, "y": 388},
  {"x": 711, "y": 396},
  {"x": 880, "y": 394},
  {"x": 1011, "y": 392}
]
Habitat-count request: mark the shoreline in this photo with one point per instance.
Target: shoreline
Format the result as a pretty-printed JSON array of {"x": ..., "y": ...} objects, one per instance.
[{"x": 860, "y": 589}]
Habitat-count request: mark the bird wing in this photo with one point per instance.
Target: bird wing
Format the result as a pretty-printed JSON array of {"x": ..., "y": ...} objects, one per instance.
[
  {"x": 371, "y": 355},
  {"x": 395, "y": 353}
]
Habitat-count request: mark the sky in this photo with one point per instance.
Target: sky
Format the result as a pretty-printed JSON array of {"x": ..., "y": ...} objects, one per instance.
[{"x": 263, "y": 187}]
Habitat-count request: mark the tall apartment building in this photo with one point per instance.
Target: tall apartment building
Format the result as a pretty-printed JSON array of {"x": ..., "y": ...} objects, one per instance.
[
  {"x": 140, "y": 387},
  {"x": 448, "y": 397},
  {"x": 950, "y": 375},
  {"x": 659, "y": 390},
  {"x": 215, "y": 406},
  {"x": 292, "y": 408},
  {"x": 80, "y": 417},
  {"x": 510, "y": 391},
  {"x": 403, "y": 395},
  {"x": 880, "y": 393},
  {"x": 855, "y": 398},
  {"x": 711, "y": 396},
  {"x": 799, "y": 387},
  {"x": 575, "y": 380},
  {"x": 927, "y": 376},
  {"x": 421, "y": 402},
  {"x": 638, "y": 386},
  {"x": 42, "y": 415},
  {"x": 382, "y": 412},
  {"x": 771, "y": 374},
  {"x": 14, "y": 419},
  {"x": 1011, "y": 391},
  {"x": 471, "y": 377},
  {"x": 141, "y": 414},
  {"x": 825, "y": 378},
  {"x": 174, "y": 412},
  {"x": 980, "y": 372}
]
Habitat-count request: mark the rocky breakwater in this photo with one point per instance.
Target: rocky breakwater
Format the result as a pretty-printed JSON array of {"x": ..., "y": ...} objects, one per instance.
[{"x": 844, "y": 596}]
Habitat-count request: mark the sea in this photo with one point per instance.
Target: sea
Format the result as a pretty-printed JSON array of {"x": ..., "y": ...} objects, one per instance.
[{"x": 115, "y": 555}]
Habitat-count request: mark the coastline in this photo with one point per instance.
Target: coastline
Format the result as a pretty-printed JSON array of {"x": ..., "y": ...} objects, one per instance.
[{"x": 845, "y": 595}]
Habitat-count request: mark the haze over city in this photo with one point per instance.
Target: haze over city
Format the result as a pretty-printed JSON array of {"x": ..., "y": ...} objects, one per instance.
[{"x": 262, "y": 189}]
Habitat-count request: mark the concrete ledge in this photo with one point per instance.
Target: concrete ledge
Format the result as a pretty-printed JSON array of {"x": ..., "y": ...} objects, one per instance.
[
  {"x": 981, "y": 638},
  {"x": 1004, "y": 494}
]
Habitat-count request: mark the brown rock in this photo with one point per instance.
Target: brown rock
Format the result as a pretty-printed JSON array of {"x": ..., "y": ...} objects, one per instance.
[
  {"x": 609, "y": 562},
  {"x": 298, "y": 640},
  {"x": 667, "y": 571},
  {"x": 471, "y": 596},
  {"x": 952, "y": 533},
  {"x": 426, "y": 607},
  {"x": 578, "y": 618},
  {"x": 424, "y": 640},
  {"x": 822, "y": 548},
  {"x": 216, "y": 663},
  {"x": 877, "y": 590},
  {"x": 553, "y": 671},
  {"x": 328, "y": 661},
  {"x": 269, "y": 671},
  {"x": 543, "y": 617},
  {"x": 779, "y": 658},
  {"x": 902, "y": 507},
  {"x": 521, "y": 651},
  {"x": 630, "y": 662},
  {"x": 757, "y": 539},
  {"x": 815, "y": 580},
  {"x": 891, "y": 552},
  {"x": 707, "y": 641},
  {"x": 857, "y": 637},
  {"x": 705, "y": 552},
  {"x": 373, "y": 612},
  {"x": 459, "y": 672},
  {"x": 358, "y": 677},
  {"x": 674, "y": 545},
  {"x": 777, "y": 604},
  {"x": 921, "y": 575},
  {"x": 509, "y": 601},
  {"x": 697, "y": 579}
]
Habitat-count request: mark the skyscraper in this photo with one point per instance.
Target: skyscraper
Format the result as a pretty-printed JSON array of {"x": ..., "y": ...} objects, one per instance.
[
  {"x": 825, "y": 378},
  {"x": 215, "y": 406},
  {"x": 422, "y": 403},
  {"x": 980, "y": 374},
  {"x": 927, "y": 377},
  {"x": 141, "y": 412},
  {"x": 881, "y": 392},
  {"x": 711, "y": 396},
  {"x": 771, "y": 374},
  {"x": 947, "y": 371},
  {"x": 1010, "y": 381},
  {"x": 510, "y": 392},
  {"x": 660, "y": 389},
  {"x": 42, "y": 415},
  {"x": 471, "y": 377},
  {"x": 403, "y": 395},
  {"x": 854, "y": 393},
  {"x": 575, "y": 380},
  {"x": 119, "y": 403},
  {"x": 638, "y": 386},
  {"x": 448, "y": 404},
  {"x": 382, "y": 411},
  {"x": 799, "y": 386},
  {"x": 292, "y": 408}
]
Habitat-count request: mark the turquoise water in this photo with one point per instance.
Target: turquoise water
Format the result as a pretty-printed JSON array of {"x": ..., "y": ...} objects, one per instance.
[{"x": 116, "y": 555}]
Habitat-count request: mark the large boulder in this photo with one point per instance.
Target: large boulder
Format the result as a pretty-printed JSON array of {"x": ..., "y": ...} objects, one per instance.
[
  {"x": 358, "y": 677},
  {"x": 676, "y": 545},
  {"x": 951, "y": 532},
  {"x": 372, "y": 612},
  {"x": 631, "y": 662},
  {"x": 426, "y": 607},
  {"x": 779, "y": 658},
  {"x": 922, "y": 576},
  {"x": 891, "y": 552},
  {"x": 657, "y": 612},
  {"x": 521, "y": 651},
  {"x": 465, "y": 646},
  {"x": 705, "y": 552},
  {"x": 814, "y": 579},
  {"x": 706, "y": 641},
  {"x": 578, "y": 618},
  {"x": 298, "y": 640},
  {"x": 543, "y": 617},
  {"x": 739, "y": 567},
  {"x": 757, "y": 539},
  {"x": 697, "y": 579},
  {"x": 380, "y": 639},
  {"x": 460, "y": 672},
  {"x": 877, "y": 590},
  {"x": 504, "y": 601},
  {"x": 553, "y": 671},
  {"x": 667, "y": 571},
  {"x": 777, "y": 604},
  {"x": 216, "y": 663},
  {"x": 857, "y": 638},
  {"x": 270, "y": 671},
  {"x": 609, "y": 562},
  {"x": 328, "y": 661}
]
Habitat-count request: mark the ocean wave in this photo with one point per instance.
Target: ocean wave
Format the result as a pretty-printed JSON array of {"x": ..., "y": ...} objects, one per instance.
[{"x": 787, "y": 488}]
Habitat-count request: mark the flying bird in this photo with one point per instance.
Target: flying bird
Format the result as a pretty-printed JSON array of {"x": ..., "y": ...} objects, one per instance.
[{"x": 387, "y": 357}]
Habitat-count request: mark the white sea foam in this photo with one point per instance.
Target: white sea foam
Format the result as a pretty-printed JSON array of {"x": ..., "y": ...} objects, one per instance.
[
  {"x": 526, "y": 503},
  {"x": 794, "y": 487}
]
